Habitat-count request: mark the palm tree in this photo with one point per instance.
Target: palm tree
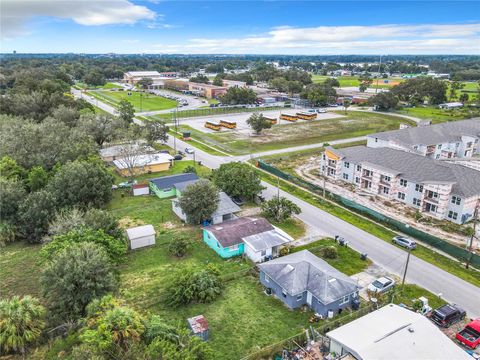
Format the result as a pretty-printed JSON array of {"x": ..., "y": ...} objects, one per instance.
[{"x": 21, "y": 323}]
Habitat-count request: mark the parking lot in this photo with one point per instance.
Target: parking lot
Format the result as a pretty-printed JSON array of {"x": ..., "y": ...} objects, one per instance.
[{"x": 198, "y": 123}]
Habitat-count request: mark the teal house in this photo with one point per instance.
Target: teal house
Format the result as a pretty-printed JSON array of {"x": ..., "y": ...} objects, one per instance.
[
  {"x": 170, "y": 186},
  {"x": 227, "y": 238}
]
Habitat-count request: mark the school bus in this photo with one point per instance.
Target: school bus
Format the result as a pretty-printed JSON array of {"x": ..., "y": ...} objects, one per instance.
[
  {"x": 288, "y": 117},
  {"x": 228, "y": 124},
  {"x": 212, "y": 125},
  {"x": 307, "y": 115},
  {"x": 272, "y": 120}
]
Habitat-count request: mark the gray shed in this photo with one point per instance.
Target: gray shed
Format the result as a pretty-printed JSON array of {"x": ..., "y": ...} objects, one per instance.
[{"x": 141, "y": 236}]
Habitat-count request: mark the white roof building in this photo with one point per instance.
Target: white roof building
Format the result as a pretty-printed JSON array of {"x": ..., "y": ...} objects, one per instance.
[
  {"x": 394, "y": 333},
  {"x": 143, "y": 160}
]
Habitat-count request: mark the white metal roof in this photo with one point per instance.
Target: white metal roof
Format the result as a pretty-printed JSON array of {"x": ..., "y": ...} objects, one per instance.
[
  {"x": 143, "y": 73},
  {"x": 395, "y": 333},
  {"x": 140, "y": 231},
  {"x": 143, "y": 160}
]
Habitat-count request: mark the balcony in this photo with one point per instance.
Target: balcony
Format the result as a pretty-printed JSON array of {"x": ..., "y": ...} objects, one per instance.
[{"x": 432, "y": 200}]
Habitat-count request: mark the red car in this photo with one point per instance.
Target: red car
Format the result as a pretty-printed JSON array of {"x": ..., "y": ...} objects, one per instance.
[{"x": 470, "y": 335}]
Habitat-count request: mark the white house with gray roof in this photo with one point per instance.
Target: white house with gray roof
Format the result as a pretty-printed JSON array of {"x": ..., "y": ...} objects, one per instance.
[
  {"x": 441, "y": 189},
  {"x": 448, "y": 140},
  {"x": 302, "y": 278}
]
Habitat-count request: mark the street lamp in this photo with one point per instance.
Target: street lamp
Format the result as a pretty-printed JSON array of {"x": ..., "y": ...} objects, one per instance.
[{"x": 379, "y": 69}]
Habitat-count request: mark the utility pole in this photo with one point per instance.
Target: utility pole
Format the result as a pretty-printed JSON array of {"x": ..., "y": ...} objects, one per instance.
[
  {"x": 470, "y": 245},
  {"x": 406, "y": 266},
  {"x": 379, "y": 69},
  {"x": 175, "y": 134},
  {"x": 194, "y": 162}
]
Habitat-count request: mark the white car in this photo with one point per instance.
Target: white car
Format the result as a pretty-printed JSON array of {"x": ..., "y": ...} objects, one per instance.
[
  {"x": 321, "y": 111},
  {"x": 381, "y": 285},
  {"x": 189, "y": 150}
]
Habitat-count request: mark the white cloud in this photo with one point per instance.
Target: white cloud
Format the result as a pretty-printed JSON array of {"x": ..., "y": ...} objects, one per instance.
[
  {"x": 16, "y": 13},
  {"x": 387, "y": 39}
]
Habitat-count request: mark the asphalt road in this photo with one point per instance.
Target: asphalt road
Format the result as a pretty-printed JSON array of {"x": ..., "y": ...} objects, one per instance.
[
  {"x": 384, "y": 254},
  {"x": 391, "y": 258}
]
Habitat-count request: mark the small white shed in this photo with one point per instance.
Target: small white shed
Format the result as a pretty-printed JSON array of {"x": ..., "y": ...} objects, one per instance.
[
  {"x": 140, "y": 189},
  {"x": 141, "y": 236}
]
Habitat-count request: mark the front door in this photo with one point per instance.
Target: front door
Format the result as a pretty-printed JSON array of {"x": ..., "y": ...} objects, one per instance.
[{"x": 309, "y": 298}]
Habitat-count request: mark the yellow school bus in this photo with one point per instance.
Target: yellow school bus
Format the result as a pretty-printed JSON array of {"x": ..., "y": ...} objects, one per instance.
[
  {"x": 228, "y": 124},
  {"x": 272, "y": 120},
  {"x": 213, "y": 126},
  {"x": 288, "y": 117},
  {"x": 306, "y": 115}
]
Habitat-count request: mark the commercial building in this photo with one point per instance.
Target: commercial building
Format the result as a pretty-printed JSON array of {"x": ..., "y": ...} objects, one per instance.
[
  {"x": 206, "y": 90},
  {"x": 133, "y": 77},
  {"x": 440, "y": 189},
  {"x": 449, "y": 140},
  {"x": 234, "y": 83},
  {"x": 393, "y": 333}
]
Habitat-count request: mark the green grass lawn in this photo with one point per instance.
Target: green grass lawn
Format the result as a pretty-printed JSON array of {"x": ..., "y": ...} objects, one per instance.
[
  {"x": 439, "y": 115},
  {"x": 140, "y": 100},
  {"x": 348, "y": 260},
  {"x": 20, "y": 268},
  {"x": 422, "y": 252},
  {"x": 355, "y": 123},
  {"x": 293, "y": 227},
  {"x": 352, "y": 81}
]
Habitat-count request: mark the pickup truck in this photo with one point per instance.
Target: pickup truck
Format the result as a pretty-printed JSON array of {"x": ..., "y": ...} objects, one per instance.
[{"x": 470, "y": 335}]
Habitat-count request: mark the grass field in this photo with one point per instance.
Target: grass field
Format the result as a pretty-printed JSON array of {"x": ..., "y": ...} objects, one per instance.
[
  {"x": 355, "y": 123},
  {"x": 439, "y": 115},
  {"x": 140, "y": 100},
  {"x": 348, "y": 260},
  {"x": 352, "y": 81}
]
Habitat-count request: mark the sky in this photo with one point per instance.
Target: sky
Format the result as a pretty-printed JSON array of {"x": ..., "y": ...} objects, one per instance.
[{"x": 240, "y": 27}]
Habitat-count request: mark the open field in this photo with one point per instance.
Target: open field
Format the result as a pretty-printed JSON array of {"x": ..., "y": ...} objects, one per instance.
[
  {"x": 352, "y": 81},
  {"x": 439, "y": 115},
  {"x": 353, "y": 124},
  {"x": 140, "y": 100}
]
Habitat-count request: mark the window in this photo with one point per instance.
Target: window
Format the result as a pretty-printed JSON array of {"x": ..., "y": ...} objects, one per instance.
[
  {"x": 401, "y": 196},
  {"x": 452, "y": 215},
  {"x": 403, "y": 182},
  {"x": 439, "y": 146},
  {"x": 345, "y": 299},
  {"x": 437, "y": 156},
  {"x": 299, "y": 297},
  {"x": 418, "y": 188},
  {"x": 345, "y": 176},
  {"x": 267, "y": 279},
  {"x": 415, "y": 147},
  {"x": 386, "y": 190},
  {"x": 346, "y": 164},
  {"x": 357, "y": 179},
  {"x": 433, "y": 208},
  {"x": 233, "y": 247},
  {"x": 416, "y": 201},
  {"x": 323, "y": 157},
  {"x": 359, "y": 167},
  {"x": 376, "y": 139},
  {"x": 264, "y": 252},
  {"x": 432, "y": 194},
  {"x": 456, "y": 200},
  {"x": 385, "y": 178},
  {"x": 284, "y": 293}
]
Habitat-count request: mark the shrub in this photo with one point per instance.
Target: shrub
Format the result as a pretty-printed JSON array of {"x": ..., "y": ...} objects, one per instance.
[
  {"x": 330, "y": 252},
  {"x": 178, "y": 245},
  {"x": 114, "y": 248},
  {"x": 188, "y": 285}
]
